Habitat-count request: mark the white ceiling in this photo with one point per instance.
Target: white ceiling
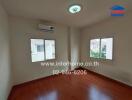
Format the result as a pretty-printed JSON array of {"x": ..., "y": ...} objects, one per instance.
[{"x": 56, "y": 10}]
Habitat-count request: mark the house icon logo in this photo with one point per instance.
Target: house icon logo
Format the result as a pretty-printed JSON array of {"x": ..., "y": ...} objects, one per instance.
[{"x": 117, "y": 10}]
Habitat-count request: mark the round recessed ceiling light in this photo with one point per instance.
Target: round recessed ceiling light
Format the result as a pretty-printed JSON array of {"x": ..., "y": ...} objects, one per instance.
[{"x": 75, "y": 9}]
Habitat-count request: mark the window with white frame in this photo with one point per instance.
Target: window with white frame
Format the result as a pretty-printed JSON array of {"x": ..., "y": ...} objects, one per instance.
[
  {"x": 101, "y": 48},
  {"x": 49, "y": 49},
  {"x": 42, "y": 50}
]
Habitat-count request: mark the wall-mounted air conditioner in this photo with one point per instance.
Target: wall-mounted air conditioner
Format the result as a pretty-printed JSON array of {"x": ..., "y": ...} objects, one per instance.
[{"x": 46, "y": 28}]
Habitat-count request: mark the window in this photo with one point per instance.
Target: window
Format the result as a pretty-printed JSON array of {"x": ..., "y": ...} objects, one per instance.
[
  {"x": 101, "y": 48},
  {"x": 50, "y": 49},
  {"x": 107, "y": 48},
  {"x": 37, "y": 50},
  {"x": 94, "y": 48},
  {"x": 42, "y": 50}
]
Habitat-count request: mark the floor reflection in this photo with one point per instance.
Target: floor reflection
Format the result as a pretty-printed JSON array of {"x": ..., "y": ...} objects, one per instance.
[
  {"x": 50, "y": 96},
  {"x": 96, "y": 94}
]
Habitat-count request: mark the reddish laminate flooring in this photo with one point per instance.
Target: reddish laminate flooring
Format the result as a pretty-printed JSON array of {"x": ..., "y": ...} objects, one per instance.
[{"x": 72, "y": 87}]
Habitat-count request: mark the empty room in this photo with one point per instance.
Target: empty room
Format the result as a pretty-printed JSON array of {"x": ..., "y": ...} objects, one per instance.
[{"x": 65, "y": 50}]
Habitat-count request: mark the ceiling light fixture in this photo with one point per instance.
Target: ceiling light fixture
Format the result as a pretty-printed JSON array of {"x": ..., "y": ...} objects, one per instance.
[{"x": 75, "y": 8}]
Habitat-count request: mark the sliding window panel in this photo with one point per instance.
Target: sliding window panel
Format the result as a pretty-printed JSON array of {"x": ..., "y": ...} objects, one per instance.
[
  {"x": 50, "y": 49},
  {"x": 95, "y": 48},
  {"x": 106, "y": 48},
  {"x": 37, "y": 50}
]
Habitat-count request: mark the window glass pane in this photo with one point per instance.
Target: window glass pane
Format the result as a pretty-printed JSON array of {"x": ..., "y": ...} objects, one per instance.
[
  {"x": 37, "y": 50},
  {"x": 50, "y": 49},
  {"x": 95, "y": 48},
  {"x": 106, "y": 48}
]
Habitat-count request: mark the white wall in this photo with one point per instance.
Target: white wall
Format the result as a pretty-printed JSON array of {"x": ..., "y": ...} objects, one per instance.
[
  {"x": 21, "y": 31},
  {"x": 121, "y": 66},
  {"x": 74, "y": 47},
  {"x": 5, "y": 68}
]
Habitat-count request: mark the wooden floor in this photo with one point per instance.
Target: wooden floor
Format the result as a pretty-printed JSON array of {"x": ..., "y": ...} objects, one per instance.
[{"x": 72, "y": 87}]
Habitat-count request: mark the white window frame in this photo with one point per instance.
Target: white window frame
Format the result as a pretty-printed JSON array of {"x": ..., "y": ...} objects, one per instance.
[
  {"x": 44, "y": 50},
  {"x": 100, "y": 48}
]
